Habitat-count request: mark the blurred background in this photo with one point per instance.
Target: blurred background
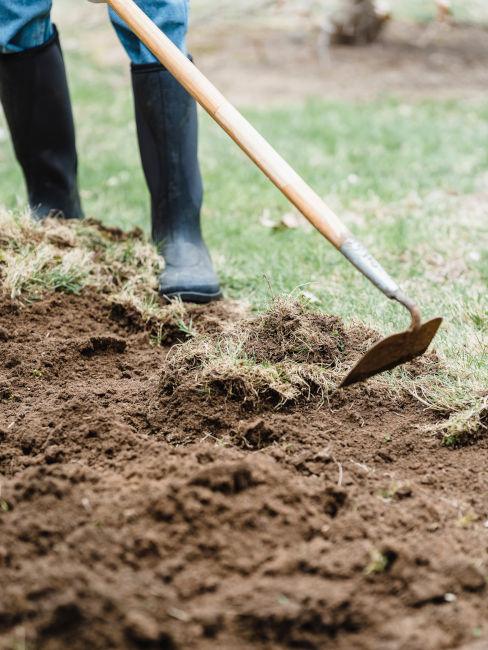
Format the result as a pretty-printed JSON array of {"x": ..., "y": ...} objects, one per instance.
[{"x": 280, "y": 50}]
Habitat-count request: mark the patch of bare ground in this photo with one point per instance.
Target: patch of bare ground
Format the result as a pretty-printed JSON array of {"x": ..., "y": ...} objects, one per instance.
[
  {"x": 137, "y": 513},
  {"x": 286, "y": 65}
]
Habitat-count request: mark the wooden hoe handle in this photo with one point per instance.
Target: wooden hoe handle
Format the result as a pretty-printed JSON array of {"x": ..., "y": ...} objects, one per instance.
[{"x": 256, "y": 147}]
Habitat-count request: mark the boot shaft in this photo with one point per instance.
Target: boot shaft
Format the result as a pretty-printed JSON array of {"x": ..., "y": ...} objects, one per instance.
[
  {"x": 167, "y": 129},
  {"x": 35, "y": 97}
]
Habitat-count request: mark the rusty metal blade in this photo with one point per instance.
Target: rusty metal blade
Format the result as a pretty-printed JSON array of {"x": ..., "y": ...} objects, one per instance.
[{"x": 393, "y": 351}]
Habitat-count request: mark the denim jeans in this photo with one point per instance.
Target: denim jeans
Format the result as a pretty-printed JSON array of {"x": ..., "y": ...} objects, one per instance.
[{"x": 25, "y": 24}]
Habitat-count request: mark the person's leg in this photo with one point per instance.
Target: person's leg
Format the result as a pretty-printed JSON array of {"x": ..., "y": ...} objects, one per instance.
[
  {"x": 24, "y": 24},
  {"x": 169, "y": 15},
  {"x": 35, "y": 98},
  {"x": 167, "y": 128}
]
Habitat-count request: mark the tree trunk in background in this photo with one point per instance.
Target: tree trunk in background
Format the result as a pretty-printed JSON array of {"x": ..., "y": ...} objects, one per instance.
[{"x": 356, "y": 22}]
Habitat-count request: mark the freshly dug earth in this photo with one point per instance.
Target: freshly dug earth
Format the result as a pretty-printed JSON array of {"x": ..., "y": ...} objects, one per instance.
[{"x": 144, "y": 505}]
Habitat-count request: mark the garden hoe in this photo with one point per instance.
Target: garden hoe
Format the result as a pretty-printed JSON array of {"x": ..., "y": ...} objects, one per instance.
[{"x": 391, "y": 351}]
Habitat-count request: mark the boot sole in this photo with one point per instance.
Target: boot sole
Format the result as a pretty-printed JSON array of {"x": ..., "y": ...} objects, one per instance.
[{"x": 192, "y": 296}]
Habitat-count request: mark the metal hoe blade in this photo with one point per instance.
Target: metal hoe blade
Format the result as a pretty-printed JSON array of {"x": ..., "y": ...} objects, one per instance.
[{"x": 394, "y": 350}]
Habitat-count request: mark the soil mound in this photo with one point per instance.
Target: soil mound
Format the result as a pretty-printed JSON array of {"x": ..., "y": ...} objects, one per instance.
[
  {"x": 143, "y": 507},
  {"x": 284, "y": 356},
  {"x": 288, "y": 330}
]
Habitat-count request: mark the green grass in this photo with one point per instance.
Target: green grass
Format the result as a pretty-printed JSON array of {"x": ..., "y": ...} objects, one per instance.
[
  {"x": 410, "y": 179},
  {"x": 424, "y": 10}
]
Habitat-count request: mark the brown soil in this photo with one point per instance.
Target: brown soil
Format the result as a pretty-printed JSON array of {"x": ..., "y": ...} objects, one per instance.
[{"x": 132, "y": 518}]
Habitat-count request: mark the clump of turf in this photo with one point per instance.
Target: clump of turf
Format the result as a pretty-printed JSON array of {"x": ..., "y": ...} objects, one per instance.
[
  {"x": 85, "y": 253},
  {"x": 452, "y": 394},
  {"x": 38, "y": 258},
  {"x": 464, "y": 427},
  {"x": 288, "y": 332},
  {"x": 285, "y": 355}
]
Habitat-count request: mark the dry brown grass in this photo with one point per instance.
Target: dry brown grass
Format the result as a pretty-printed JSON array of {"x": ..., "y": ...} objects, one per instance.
[
  {"x": 41, "y": 257},
  {"x": 465, "y": 426},
  {"x": 285, "y": 355}
]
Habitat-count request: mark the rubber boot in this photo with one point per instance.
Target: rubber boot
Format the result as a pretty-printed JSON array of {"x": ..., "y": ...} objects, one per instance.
[
  {"x": 35, "y": 97},
  {"x": 167, "y": 128}
]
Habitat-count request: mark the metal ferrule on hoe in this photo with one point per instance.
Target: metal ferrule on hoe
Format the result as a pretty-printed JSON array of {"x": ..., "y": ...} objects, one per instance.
[
  {"x": 396, "y": 349},
  {"x": 362, "y": 259}
]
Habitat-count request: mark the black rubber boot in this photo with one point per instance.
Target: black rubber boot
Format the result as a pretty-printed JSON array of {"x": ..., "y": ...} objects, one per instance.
[
  {"x": 167, "y": 128},
  {"x": 35, "y": 97}
]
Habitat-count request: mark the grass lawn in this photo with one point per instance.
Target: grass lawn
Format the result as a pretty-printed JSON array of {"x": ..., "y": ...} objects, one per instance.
[
  {"x": 410, "y": 180},
  {"x": 468, "y": 10}
]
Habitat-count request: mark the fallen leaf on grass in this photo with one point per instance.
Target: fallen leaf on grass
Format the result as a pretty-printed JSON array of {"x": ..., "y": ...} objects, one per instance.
[{"x": 288, "y": 221}]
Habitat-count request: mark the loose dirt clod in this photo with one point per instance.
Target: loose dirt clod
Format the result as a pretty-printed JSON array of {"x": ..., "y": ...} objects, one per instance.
[
  {"x": 288, "y": 331},
  {"x": 99, "y": 344}
]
